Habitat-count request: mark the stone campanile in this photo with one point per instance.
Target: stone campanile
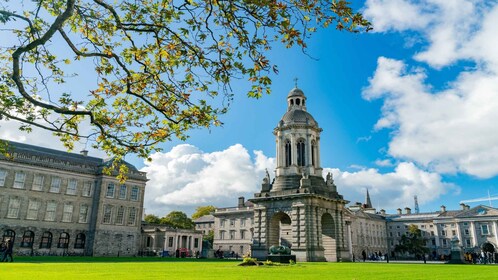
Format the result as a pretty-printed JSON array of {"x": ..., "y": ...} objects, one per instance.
[{"x": 299, "y": 209}]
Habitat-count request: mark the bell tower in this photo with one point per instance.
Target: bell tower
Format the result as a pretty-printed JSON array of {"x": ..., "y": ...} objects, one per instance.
[
  {"x": 298, "y": 144},
  {"x": 299, "y": 208}
]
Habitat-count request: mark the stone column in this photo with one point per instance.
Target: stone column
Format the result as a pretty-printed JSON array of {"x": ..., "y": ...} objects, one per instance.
[
  {"x": 495, "y": 231},
  {"x": 308, "y": 156},
  {"x": 350, "y": 240},
  {"x": 259, "y": 240},
  {"x": 459, "y": 234},
  {"x": 474, "y": 234},
  {"x": 293, "y": 150}
]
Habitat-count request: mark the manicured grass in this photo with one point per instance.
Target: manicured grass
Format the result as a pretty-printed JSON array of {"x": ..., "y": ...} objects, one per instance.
[{"x": 54, "y": 268}]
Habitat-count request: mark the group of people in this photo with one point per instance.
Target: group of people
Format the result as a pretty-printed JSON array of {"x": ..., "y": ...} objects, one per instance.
[
  {"x": 375, "y": 256},
  {"x": 6, "y": 248},
  {"x": 481, "y": 258}
]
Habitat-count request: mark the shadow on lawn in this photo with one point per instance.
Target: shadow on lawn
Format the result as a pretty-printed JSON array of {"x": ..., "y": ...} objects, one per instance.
[{"x": 57, "y": 259}]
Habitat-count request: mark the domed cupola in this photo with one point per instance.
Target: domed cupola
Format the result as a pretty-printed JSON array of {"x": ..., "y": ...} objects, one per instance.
[
  {"x": 296, "y": 110},
  {"x": 296, "y": 100}
]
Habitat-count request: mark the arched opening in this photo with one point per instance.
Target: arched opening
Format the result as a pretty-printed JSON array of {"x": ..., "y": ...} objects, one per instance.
[
  {"x": 301, "y": 161},
  {"x": 291, "y": 102},
  {"x": 79, "y": 243},
  {"x": 27, "y": 239},
  {"x": 328, "y": 238},
  {"x": 280, "y": 232},
  {"x": 298, "y": 101},
  {"x": 63, "y": 240},
  {"x": 288, "y": 153},
  {"x": 313, "y": 152},
  {"x": 488, "y": 247},
  {"x": 9, "y": 235},
  {"x": 46, "y": 240}
]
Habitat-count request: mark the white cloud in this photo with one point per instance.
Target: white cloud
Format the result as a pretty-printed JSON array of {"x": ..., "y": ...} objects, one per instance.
[
  {"x": 391, "y": 190},
  {"x": 384, "y": 162},
  {"x": 398, "y": 15},
  {"x": 450, "y": 28},
  {"x": 188, "y": 177},
  {"x": 452, "y": 129}
]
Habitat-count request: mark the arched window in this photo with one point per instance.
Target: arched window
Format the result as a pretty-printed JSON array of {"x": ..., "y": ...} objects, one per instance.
[
  {"x": 79, "y": 243},
  {"x": 27, "y": 239},
  {"x": 63, "y": 240},
  {"x": 298, "y": 101},
  {"x": 313, "y": 153},
  {"x": 301, "y": 161},
  {"x": 46, "y": 240},
  {"x": 292, "y": 102},
  {"x": 9, "y": 234},
  {"x": 288, "y": 154}
]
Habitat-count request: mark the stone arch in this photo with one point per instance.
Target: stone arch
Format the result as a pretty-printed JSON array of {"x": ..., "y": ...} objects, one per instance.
[
  {"x": 328, "y": 238},
  {"x": 488, "y": 247},
  {"x": 280, "y": 232}
]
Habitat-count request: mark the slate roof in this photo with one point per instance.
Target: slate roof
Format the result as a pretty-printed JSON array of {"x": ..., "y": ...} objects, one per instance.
[
  {"x": 55, "y": 159},
  {"x": 297, "y": 116}
]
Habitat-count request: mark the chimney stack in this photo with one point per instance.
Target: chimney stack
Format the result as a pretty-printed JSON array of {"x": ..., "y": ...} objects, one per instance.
[
  {"x": 443, "y": 208},
  {"x": 408, "y": 210},
  {"x": 84, "y": 153},
  {"x": 399, "y": 211},
  {"x": 382, "y": 212},
  {"x": 467, "y": 207},
  {"x": 241, "y": 202},
  {"x": 462, "y": 206}
]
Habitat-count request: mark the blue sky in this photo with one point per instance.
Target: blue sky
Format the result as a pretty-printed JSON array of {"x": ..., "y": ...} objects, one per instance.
[{"x": 408, "y": 109}]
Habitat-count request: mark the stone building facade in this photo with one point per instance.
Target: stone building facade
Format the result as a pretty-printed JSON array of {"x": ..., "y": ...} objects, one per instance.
[
  {"x": 366, "y": 232},
  {"x": 165, "y": 241},
  {"x": 205, "y": 224},
  {"x": 57, "y": 203},
  {"x": 299, "y": 209},
  {"x": 471, "y": 226},
  {"x": 234, "y": 228}
]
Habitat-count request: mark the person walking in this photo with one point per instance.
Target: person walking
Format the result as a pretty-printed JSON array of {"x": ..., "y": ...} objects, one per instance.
[
  {"x": 3, "y": 248},
  {"x": 8, "y": 251},
  {"x": 364, "y": 255}
]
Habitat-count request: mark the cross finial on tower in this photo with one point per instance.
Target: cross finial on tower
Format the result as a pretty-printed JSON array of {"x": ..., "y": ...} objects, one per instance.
[{"x": 295, "y": 81}]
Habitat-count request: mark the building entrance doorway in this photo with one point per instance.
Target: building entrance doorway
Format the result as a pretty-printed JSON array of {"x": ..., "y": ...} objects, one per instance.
[
  {"x": 328, "y": 238},
  {"x": 280, "y": 233}
]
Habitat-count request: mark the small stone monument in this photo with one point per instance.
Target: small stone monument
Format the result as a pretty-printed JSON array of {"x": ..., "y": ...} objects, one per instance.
[
  {"x": 456, "y": 256},
  {"x": 266, "y": 186},
  {"x": 281, "y": 254}
]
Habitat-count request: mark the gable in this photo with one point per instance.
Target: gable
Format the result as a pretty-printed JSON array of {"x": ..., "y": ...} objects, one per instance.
[{"x": 479, "y": 211}]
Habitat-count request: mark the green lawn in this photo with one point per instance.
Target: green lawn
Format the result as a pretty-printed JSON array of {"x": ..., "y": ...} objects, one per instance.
[{"x": 54, "y": 268}]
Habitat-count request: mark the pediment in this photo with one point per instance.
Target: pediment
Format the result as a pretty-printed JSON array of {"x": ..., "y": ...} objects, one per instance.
[{"x": 479, "y": 211}]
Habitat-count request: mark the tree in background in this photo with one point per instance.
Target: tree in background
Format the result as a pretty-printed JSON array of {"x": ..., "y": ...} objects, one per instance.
[
  {"x": 203, "y": 211},
  {"x": 177, "y": 219},
  {"x": 152, "y": 219},
  {"x": 413, "y": 244},
  {"x": 151, "y": 69}
]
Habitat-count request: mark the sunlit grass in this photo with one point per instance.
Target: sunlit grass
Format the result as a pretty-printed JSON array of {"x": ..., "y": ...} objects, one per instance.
[{"x": 38, "y": 268}]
